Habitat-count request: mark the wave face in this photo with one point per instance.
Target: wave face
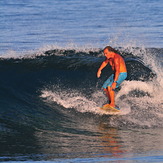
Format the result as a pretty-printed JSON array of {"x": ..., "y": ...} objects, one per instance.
[{"x": 59, "y": 86}]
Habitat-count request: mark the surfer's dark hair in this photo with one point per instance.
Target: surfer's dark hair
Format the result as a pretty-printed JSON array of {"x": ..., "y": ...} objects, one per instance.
[{"x": 110, "y": 49}]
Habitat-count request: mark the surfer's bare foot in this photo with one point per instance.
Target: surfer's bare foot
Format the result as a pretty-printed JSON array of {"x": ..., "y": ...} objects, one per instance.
[{"x": 106, "y": 105}]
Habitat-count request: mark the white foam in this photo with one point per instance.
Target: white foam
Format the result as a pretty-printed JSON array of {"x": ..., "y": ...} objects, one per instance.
[
  {"x": 73, "y": 99},
  {"x": 70, "y": 100}
]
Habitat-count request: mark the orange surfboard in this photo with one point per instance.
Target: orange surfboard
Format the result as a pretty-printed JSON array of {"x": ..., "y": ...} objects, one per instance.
[{"x": 110, "y": 109}]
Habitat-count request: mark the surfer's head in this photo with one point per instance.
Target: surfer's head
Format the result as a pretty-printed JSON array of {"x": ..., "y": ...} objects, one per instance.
[
  {"x": 109, "y": 52},
  {"x": 110, "y": 49}
]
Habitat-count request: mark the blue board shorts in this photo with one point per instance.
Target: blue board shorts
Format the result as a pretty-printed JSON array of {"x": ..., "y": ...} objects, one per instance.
[{"x": 122, "y": 76}]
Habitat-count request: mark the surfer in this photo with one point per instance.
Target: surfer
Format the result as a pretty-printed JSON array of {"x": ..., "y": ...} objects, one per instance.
[{"x": 118, "y": 66}]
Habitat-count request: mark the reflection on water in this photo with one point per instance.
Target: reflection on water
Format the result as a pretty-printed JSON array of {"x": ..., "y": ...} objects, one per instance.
[
  {"x": 111, "y": 141},
  {"x": 97, "y": 139},
  {"x": 120, "y": 142}
]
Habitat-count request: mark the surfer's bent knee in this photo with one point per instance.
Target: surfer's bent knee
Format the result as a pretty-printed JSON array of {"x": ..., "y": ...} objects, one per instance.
[{"x": 110, "y": 89}]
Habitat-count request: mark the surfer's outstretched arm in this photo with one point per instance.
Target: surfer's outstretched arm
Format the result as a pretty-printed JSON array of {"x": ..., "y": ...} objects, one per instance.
[{"x": 101, "y": 67}]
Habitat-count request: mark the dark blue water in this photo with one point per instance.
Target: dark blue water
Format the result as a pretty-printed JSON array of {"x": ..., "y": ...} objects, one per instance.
[{"x": 50, "y": 53}]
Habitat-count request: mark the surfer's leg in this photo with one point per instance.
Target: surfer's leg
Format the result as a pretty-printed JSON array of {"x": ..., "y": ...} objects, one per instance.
[
  {"x": 107, "y": 84},
  {"x": 111, "y": 96},
  {"x": 107, "y": 94},
  {"x": 111, "y": 92}
]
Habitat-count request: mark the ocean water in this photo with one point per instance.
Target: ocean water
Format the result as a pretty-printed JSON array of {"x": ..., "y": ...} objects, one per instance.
[{"x": 49, "y": 55}]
